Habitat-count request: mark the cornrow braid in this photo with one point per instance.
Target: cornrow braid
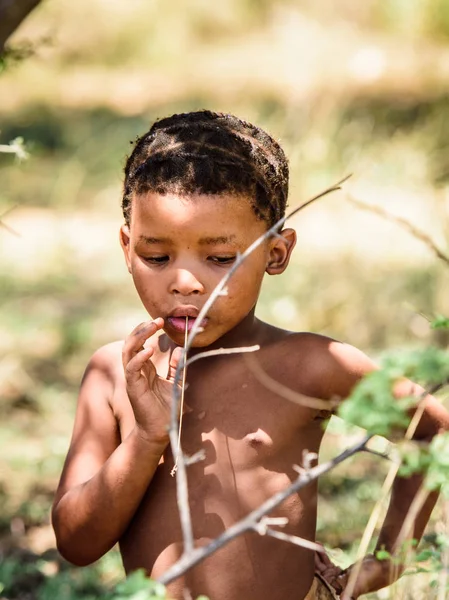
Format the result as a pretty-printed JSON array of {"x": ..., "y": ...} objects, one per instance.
[{"x": 209, "y": 153}]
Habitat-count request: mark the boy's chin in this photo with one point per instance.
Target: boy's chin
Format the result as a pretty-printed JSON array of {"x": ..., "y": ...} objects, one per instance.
[{"x": 199, "y": 341}]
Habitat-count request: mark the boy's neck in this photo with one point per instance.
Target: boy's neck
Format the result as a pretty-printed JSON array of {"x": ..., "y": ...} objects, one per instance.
[{"x": 246, "y": 333}]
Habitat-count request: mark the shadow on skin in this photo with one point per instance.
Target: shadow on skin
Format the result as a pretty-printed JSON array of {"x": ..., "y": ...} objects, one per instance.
[{"x": 251, "y": 437}]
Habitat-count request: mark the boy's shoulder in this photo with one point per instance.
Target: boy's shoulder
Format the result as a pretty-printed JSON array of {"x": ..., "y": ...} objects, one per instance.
[
  {"x": 103, "y": 356},
  {"x": 327, "y": 367},
  {"x": 310, "y": 345},
  {"x": 107, "y": 361}
]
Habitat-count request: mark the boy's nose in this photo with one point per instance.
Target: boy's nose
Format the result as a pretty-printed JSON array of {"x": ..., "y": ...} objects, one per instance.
[{"x": 185, "y": 283}]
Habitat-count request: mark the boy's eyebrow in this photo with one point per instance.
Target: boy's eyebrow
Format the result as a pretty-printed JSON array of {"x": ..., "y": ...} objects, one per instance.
[
  {"x": 154, "y": 240},
  {"x": 215, "y": 241},
  {"x": 205, "y": 241}
]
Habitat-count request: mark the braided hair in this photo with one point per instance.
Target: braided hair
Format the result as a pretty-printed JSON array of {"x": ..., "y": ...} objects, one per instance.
[{"x": 209, "y": 153}]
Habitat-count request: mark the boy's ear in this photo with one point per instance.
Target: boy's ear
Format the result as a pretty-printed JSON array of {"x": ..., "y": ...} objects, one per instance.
[
  {"x": 281, "y": 247},
  {"x": 124, "y": 243}
]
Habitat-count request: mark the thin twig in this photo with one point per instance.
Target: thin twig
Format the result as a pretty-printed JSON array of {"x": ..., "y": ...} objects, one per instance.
[
  {"x": 183, "y": 387},
  {"x": 265, "y": 522},
  {"x": 285, "y": 392},
  {"x": 417, "y": 233},
  {"x": 415, "y": 507},
  {"x": 442, "y": 579},
  {"x": 8, "y": 148},
  {"x": 220, "y": 351},
  {"x": 189, "y": 560},
  {"x": 294, "y": 539},
  {"x": 383, "y": 455},
  {"x": 195, "y": 458},
  {"x": 4, "y": 225},
  {"x": 8, "y": 228}
]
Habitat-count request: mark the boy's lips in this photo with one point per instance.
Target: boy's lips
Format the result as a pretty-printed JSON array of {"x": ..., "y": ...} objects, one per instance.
[{"x": 180, "y": 318}]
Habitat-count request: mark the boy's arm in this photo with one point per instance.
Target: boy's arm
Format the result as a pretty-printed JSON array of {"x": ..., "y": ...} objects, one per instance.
[
  {"x": 375, "y": 574},
  {"x": 103, "y": 480},
  {"x": 348, "y": 366}
]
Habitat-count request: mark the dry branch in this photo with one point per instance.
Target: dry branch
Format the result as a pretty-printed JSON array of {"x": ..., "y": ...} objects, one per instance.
[
  {"x": 249, "y": 523},
  {"x": 221, "y": 351},
  {"x": 415, "y": 232},
  {"x": 4, "y": 225}
]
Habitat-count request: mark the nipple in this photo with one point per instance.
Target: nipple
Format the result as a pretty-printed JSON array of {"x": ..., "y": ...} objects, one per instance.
[{"x": 259, "y": 438}]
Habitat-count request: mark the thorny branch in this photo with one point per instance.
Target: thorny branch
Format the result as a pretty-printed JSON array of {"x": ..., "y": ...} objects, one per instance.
[
  {"x": 220, "y": 351},
  {"x": 417, "y": 233},
  {"x": 250, "y": 522},
  {"x": 383, "y": 455},
  {"x": 3, "y": 224},
  {"x": 182, "y": 495}
]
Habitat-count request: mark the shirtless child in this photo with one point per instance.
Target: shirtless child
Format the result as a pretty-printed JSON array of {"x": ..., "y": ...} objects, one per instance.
[{"x": 200, "y": 188}]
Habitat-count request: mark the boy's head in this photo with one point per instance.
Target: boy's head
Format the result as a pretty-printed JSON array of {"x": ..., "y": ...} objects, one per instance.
[
  {"x": 200, "y": 188},
  {"x": 209, "y": 153}
]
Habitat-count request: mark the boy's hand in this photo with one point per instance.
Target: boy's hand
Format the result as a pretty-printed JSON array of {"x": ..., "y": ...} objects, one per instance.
[
  {"x": 328, "y": 571},
  {"x": 374, "y": 574},
  {"x": 150, "y": 395}
]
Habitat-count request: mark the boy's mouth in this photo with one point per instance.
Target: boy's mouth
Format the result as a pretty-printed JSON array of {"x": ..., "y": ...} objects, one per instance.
[{"x": 179, "y": 322}]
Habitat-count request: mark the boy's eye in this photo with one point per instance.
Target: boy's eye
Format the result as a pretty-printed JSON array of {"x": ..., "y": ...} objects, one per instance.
[
  {"x": 222, "y": 260},
  {"x": 156, "y": 260}
]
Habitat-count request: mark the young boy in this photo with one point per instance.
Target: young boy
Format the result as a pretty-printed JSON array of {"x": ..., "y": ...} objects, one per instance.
[{"x": 199, "y": 189}]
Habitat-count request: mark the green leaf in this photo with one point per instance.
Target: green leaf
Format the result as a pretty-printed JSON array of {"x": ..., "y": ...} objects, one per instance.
[
  {"x": 415, "y": 458},
  {"x": 373, "y": 406},
  {"x": 425, "y": 555},
  {"x": 442, "y": 540},
  {"x": 138, "y": 586},
  {"x": 440, "y": 322},
  {"x": 383, "y": 555},
  {"x": 427, "y": 366},
  {"x": 438, "y": 470}
]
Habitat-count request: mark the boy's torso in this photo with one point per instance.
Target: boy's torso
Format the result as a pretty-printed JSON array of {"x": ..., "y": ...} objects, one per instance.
[{"x": 251, "y": 437}]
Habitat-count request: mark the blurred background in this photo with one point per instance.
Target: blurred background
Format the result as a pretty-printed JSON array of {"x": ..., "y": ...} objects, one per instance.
[{"x": 346, "y": 87}]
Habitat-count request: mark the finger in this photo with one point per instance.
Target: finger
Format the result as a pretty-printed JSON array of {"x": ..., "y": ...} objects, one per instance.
[
  {"x": 133, "y": 369},
  {"x": 174, "y": 362},
  {"x": 332, "y": 578},
  {"x": 324, "y": 558},
  {"x": 136, "y": 339},
  {"x": 319, "y": 564},
  {"x": 331, "y": 572}
]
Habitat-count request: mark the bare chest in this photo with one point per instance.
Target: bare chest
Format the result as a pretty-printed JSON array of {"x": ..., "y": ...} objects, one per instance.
[
  {"x": 230, "y": 410},
  {"x": 251, "y": 437}
]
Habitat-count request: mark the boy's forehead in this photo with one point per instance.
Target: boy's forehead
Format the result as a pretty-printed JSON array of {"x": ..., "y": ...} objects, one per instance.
[
  {"x": 222, "y": 201},
  {"x": 213, "y": 217}
]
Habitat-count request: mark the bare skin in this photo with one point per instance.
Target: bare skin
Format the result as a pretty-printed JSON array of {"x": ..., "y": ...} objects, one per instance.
[{"x": 116, "y": 484}]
